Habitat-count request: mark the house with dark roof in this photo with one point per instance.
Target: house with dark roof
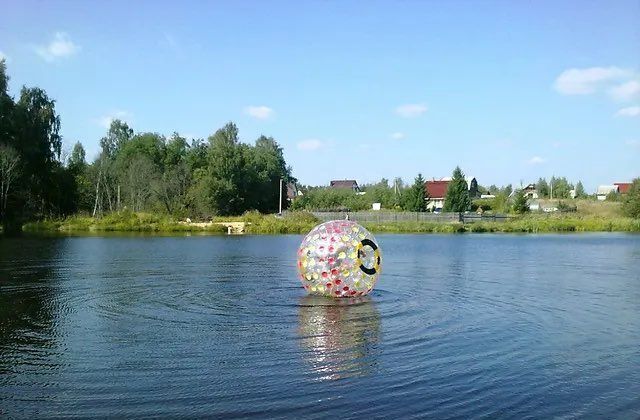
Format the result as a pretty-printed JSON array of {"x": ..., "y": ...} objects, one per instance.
[{"x": 350, "y": 184}]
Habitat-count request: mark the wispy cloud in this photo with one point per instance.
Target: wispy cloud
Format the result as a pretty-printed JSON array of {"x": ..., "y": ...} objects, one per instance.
[
  {"x": 61, "y": 46},
  {"x": 633, "y": 143},
  {"x": 398, "y": 136},
  {"x": 260, "y": 112},
  {"x": 411, "y": 110},
  {"x": 589, "y": 80},
  {"x": 105, "y": 120},
  {"x": 626, "y": 91},
  {"x": 536, "y": 160},
  {"x": 310, "y": 145},
  {"x": 632, "y": 111}
]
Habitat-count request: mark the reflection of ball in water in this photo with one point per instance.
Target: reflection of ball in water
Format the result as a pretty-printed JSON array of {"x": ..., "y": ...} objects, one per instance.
[{"x": 339, "y": 259}]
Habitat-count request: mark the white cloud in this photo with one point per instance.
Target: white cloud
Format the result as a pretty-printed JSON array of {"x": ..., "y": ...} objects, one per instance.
[
  {"x": 105, "y": 120},
  {"x": 260, "y": 112},
  {"x": 589, "y": 80},
  {"x": 536, "y": 160},
  {"x": 411, "y": 110},
  {"x": 398, "y": 136},
  {"x": 310, "y": 145},
  {"x": 626, "y": 91},
  {"x": 632, "y": 111},
  {"x": 633, "y": 143},
  {"x": 61, "y": 46}
]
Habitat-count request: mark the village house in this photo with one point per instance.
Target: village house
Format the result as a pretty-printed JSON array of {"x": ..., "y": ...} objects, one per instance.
[
  {"x": 530, "y": 191},
  {"x": 604, "y": 190},
  {"x": 623, "y": 187},
  {"x": 437, "y": 191},
  {"x": 350, "y": 184}
]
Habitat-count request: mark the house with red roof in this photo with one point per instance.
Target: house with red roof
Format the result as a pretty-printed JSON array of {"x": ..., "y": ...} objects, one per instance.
[
  {"x": 437, "y": 191},
  {"x": 623, "y": 187}
]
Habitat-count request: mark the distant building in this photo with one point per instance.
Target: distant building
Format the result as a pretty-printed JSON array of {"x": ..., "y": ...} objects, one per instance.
[
  {"x": 534, "y": 205},
  {"x": 604, "y": 190},
  {"x": 437, "y": 191},
  {"x": 623, "y": 187},
  {"x": 350, "y": 184},
  {"x": 292, "y": 191},
  {"x": 530, "y": 191}
]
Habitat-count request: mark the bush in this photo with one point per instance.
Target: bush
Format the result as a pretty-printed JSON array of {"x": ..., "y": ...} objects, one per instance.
[{"x": 631, "y": 204}]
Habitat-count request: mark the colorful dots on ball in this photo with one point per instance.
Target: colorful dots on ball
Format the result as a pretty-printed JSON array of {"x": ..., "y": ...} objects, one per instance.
[{"x": 339, "y": 259}]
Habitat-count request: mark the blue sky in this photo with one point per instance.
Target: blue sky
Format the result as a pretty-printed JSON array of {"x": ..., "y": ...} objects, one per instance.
[{"x": 510, "y": 91}]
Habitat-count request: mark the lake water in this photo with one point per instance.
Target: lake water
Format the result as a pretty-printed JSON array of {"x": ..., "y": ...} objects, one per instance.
[{"x": 458, "y": 326}]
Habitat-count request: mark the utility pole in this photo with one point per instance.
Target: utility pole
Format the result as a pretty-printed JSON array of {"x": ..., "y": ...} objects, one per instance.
[{"x": 280, "y": 202}]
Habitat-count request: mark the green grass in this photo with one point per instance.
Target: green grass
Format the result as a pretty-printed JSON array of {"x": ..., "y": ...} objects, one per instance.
[
  {"x": 302, "y": 222},
  {"x": 119, "y": 222}
]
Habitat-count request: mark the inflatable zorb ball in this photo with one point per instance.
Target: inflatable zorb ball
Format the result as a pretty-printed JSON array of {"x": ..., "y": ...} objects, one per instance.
[{"x": 339, "y": 259}]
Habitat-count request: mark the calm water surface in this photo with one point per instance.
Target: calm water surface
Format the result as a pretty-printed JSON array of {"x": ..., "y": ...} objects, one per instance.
[{"x": 458, "y": 326}]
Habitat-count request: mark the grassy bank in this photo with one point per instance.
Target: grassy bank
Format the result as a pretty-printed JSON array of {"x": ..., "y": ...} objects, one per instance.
[
  {"x": 300, "y": 223},
  {"x": 119, "y": 222}
]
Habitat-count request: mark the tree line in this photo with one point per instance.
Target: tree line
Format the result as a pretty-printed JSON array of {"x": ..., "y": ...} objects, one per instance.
[{"x": 137, "y": 171}]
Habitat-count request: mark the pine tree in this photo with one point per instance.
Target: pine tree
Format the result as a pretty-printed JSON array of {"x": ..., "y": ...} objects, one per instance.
[
  {"x": 417, "y": 196},
  {"x": 580, "y": 190},
  {"x": 520, "y": 203},
  {"x": 457, "y": 198}
]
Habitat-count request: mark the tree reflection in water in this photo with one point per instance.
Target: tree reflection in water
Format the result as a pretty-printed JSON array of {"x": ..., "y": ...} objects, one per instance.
[{"x": 339, "y": 336}]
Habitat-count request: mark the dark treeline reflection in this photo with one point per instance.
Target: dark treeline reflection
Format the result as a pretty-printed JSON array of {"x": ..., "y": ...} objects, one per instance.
[
  {"x": 27, "y": 300},
  {"x": 339, "y": 337}
]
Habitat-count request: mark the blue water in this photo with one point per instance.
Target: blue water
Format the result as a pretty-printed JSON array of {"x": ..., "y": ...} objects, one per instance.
[{"x": 459, "y": 326}]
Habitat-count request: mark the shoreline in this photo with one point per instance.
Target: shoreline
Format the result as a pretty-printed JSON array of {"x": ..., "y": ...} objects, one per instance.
[{"x": 302, "y": 223}]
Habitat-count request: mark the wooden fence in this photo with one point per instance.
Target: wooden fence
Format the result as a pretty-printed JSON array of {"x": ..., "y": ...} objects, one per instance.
[{"x": 405, "y": 216}]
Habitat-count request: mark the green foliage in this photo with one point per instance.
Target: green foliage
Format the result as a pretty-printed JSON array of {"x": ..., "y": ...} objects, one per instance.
[
  {"x": 613, "y": 196},
  {"x": 631, "y": 203},
  {"x": 560, "y": 187},
  {"x": 567, "y": 208},
  {"x": 580, "y": 193},
  {"x": 416, "y": 196},
  {"x": 331, "y": 199},
  {"x": 520, "y": 205},
  {"x": 457, "y": 198},
  {"x": 543, "y": 188}
]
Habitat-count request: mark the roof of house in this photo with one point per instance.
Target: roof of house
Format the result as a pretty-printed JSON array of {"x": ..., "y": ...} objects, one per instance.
[
  {"x": 437, "y": 189},
  {"x": 530, "y": 187},
  {"x": 344, "y": 183},
  {"x": 606, "y": 189},
  {"x": 292, "y": 190},
  {"x": 623, "y": 187}
]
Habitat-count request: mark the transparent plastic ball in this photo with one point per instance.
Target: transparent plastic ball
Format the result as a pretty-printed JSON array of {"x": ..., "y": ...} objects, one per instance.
[{"x": 340, "y": 259}]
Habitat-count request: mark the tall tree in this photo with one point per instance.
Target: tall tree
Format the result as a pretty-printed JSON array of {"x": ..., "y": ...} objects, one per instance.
[
  {"x": 580, "y": 193},
  {"x": 543, "y": 188},
  {"x": 416, "y": 196},
  {"x": 226, "y": 163},
  {"x": 631, "y": 203},
  {"x": 9, "y": 160},
  {"x": 457, "y": 198},
  {"x": 520, "y": 205},
  {"x": 118, "y": 135}
]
